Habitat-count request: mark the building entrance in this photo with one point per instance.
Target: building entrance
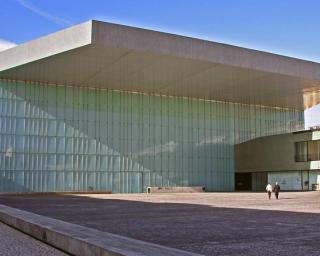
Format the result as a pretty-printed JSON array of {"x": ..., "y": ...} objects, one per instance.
[{"x": 243, "y": 181}]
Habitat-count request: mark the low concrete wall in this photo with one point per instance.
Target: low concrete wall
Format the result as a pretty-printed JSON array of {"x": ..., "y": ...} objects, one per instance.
[
  {"x": 79, "y": 240},
  {"x": 56, "y": 193},
  {"x": 175, "y": 189}
]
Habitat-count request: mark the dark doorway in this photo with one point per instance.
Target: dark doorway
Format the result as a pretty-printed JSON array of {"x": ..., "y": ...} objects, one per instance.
[{"x": 244, "y": 181}]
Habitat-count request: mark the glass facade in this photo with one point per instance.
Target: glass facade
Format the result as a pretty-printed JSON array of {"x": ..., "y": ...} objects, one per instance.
[{"x": 60, "y": 138}]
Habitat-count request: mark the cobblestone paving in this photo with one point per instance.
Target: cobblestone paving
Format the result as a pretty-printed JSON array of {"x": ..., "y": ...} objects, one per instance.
[
  {"x": 245, "y": 224},
  {"x": 15, "y": 243}
]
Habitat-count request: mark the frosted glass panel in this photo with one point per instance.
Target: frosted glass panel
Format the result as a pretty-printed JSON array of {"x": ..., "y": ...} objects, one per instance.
[{"x": 72, "y": 139}]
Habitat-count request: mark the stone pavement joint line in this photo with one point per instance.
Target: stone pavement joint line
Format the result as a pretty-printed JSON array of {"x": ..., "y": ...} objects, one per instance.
[{"x": 79, "y": 240}]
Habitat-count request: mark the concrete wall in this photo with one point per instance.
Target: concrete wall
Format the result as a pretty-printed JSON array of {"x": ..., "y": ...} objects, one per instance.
[
  {"x": 272, "y": 159},
  {"x": 273, "y": 153}
]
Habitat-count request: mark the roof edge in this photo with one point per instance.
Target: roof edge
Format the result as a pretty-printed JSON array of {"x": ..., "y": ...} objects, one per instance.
[
  {"x": 55, "y": 43},
  {"x": 145, "y": 40},
  {"x": 117, "y": 35}
]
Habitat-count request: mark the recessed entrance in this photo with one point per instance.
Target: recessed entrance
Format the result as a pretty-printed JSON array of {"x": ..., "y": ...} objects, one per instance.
[{"x": 243, "y": 181}]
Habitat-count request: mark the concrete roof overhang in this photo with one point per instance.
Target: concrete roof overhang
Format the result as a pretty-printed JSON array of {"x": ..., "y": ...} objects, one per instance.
[{"x": 103, "y": 55}]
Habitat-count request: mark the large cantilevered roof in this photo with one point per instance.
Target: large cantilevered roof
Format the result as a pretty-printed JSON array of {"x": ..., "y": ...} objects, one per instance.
[{"x": 104, "y": 55}]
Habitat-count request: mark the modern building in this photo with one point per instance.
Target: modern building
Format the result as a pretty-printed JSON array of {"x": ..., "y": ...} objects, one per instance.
[
  {"x": 292, "y": 160},
  {"x": 101, "y": 106}
]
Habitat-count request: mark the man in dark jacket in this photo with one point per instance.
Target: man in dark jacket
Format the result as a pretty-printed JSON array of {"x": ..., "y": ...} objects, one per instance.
[{"x": 276, "y": 190}]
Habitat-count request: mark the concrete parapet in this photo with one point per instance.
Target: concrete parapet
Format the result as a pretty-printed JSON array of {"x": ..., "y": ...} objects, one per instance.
[
  {"x": 56, "y": 193},
  {"x": 79, "y": 240},
  {"x": 176, "y": 189}
]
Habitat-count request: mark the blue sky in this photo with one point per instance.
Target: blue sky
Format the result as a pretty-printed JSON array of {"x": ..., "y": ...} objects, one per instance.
[{"x": 288, "y": 27}]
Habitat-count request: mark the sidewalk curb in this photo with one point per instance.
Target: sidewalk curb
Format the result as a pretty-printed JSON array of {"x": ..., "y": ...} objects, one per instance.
[{"x": 79, "y": 240}]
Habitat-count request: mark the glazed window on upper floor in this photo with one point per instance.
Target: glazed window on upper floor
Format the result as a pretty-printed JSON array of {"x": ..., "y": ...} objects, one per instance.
[{"x": 306, "y": 151}]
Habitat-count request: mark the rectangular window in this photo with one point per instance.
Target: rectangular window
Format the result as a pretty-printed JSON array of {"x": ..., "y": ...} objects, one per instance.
[
  {"x": 301, "y": 151},
  {"x": 307, "y": 151},
  {"x": 313, "y": 150}
]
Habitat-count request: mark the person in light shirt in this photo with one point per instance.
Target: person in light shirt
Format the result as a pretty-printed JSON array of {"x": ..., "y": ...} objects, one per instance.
[{"x": 269, "y": 190}]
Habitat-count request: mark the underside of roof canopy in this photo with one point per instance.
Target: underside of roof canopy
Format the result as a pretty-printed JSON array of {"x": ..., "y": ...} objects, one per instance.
[{"x": 110, "y": 56}]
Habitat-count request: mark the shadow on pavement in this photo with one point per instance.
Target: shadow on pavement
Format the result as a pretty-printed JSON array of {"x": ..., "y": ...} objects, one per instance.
[{"x": 198, "y": 228}]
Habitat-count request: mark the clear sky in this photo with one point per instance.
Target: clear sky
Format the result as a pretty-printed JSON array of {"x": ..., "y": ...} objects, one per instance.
[{"x": 288, "y": 27}]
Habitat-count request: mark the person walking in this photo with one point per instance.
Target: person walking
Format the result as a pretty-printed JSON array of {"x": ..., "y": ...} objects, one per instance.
[
  {"x": 276, "y": 190},
  {"x": 269, "y": 190}
]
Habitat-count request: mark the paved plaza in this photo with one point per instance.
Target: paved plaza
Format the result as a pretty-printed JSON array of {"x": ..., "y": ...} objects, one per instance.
[{"x": 205, "y": 223}]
